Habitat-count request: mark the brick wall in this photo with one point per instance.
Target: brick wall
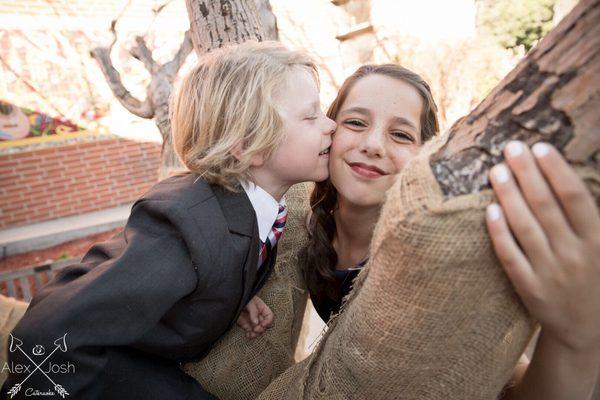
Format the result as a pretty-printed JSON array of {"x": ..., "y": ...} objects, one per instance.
[{"x": 74, "y": 179}]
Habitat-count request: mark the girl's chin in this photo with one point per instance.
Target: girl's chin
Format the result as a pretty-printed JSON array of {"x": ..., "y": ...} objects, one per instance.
[{"x": 361, "y": 198}]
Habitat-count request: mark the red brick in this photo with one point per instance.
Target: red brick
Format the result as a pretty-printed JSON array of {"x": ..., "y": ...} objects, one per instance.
[
  {"x": 58, "y": 204},
  {"x": 45, "y": 152},
  {"x": 88, "y": 208},
  {"x": 96, "y": 163},
  {"x": 11, "y": 222},
  {"x": 14, "y": 208},
  {"x": 86, "y": 198},
  {"x": 35, "y": 186},
  {"x": 72, "y": 164},
  {"x": 21, "y": 213},
  {"x": 28, "y": 164},
  {"x": 5, "y": 163},
  {"x": 13, "y": 197},
  {"x": 51, "y": 158},
  {"x": 27, "y": 155},
  {"x": 69, "y": 150},
  {"x": 34, "y": 175},
  {"x": 11, "y": 181},
  {"x": 53, "y": 168}
]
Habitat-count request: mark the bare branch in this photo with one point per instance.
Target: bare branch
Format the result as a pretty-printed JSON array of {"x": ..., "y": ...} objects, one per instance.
[
  {"x": 141, "y": 52},
  {"x": 133, "y": 105},
  {"x": 172, "y": 67}
]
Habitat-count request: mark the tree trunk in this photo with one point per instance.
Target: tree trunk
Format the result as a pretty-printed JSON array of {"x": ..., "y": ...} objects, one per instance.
[
  {"x": 217, "y": 23},
  {"x": 433, "y": 316},
  {"x": 267, "y": 19},
  {"x": 213, "y": 24}
]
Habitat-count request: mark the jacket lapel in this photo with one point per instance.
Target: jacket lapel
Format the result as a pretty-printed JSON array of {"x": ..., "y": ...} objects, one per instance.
[{"x": 241, "y": 220}]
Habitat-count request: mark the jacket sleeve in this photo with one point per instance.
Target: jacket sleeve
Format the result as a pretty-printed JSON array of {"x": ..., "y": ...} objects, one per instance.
[{"x": 119, "y": 291}]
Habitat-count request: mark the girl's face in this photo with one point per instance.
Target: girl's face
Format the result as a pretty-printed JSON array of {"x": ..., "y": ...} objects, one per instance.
[{"x": 378, "y": 132}]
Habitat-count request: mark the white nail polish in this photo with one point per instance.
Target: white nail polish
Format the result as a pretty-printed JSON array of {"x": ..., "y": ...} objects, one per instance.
[
  {"x": 501, "y": 173},
  {"x": 540, "y": 149},
  {"x": 494, "y": 212},
  {"x": 514, "y": 148}
]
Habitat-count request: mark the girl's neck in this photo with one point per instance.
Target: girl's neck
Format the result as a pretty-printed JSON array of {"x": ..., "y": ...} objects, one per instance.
[{"x": 354, "y": 230}]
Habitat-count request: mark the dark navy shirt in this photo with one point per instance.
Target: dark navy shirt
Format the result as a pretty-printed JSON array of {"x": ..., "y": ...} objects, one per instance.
[{"x": 325, "y": 306}]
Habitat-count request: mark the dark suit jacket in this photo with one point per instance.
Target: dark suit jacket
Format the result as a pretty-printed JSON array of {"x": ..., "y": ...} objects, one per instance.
[{"x": 160, "y": 293}]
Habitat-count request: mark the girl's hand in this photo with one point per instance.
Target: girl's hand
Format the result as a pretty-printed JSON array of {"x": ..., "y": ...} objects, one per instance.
[
  {"x": 255, "y": 318},
  {"x": 552, "y": 256}
]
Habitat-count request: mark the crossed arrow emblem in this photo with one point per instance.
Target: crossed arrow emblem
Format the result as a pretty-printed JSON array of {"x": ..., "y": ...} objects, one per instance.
[{"x": 60, "y": 344}]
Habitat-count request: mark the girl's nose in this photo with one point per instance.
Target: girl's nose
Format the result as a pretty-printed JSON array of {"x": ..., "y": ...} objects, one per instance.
[{"x": 373, "y": 143}]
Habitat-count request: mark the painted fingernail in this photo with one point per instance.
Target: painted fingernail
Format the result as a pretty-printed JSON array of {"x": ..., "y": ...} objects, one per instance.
[
  {"x": 514, "y": 148},
  {"x": 500, "y": 173},
  {"x": 494, "y": 212},
  {"x": 540, "y": 149}
]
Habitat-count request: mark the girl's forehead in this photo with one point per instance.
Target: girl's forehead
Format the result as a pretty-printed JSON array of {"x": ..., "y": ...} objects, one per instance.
[{"x": 383, "y": 95}]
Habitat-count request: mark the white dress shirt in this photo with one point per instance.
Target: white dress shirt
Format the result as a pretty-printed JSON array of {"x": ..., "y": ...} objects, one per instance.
[{"x": 265, "y": 207}]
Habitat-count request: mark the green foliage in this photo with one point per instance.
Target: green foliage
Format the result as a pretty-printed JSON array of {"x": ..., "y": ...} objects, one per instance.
[{"x": 516, "y": 23}]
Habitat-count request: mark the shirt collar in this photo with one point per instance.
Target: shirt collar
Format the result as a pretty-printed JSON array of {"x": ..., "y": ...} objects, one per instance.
[{"x": 265, "y": 207}]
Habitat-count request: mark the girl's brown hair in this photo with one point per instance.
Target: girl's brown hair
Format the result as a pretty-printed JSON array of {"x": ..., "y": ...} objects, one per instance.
[{"x": 320, "y": 257}]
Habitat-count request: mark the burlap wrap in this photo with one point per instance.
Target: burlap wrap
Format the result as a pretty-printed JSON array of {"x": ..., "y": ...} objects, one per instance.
[
  {"x": 241, "y": 368},
  {"x": 11, "y": 311},
  {"x": 433, "y": 315}
]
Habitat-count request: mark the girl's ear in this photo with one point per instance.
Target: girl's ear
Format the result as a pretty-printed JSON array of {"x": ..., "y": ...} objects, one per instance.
[{"x": 257, "y": 160}]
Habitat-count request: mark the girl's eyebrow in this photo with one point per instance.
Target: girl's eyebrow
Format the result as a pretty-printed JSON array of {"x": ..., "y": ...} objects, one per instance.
[
  {"x": 359, "y": 110},
  {"x": 404, "y": 121}
]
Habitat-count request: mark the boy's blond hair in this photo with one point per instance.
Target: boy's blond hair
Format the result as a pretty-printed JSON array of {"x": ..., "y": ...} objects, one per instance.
[{"x": 226, "y": 102}]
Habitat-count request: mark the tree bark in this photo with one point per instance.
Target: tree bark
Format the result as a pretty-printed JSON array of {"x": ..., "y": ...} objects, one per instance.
[
  {"x": 374, "y": 349},
  {"x": 552, "y": 95},
  {"x": 215, "y": 24}
]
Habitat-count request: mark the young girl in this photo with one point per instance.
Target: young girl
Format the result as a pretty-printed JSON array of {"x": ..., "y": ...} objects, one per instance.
[{"x": 384, "y": 114}]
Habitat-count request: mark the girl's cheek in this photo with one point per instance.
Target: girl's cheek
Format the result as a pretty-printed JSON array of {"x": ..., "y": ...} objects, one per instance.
[{"x": 403, "y": 156}]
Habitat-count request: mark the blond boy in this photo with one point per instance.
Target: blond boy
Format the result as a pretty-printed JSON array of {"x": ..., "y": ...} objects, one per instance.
[{"x": 197, "y": 247}]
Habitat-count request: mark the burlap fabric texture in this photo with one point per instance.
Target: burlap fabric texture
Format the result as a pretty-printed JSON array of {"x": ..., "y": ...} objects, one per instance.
[
  {"x": 241, "y": 368},
  {"x": 11, "y": 311},
  {"x": 432, "y": 316}
]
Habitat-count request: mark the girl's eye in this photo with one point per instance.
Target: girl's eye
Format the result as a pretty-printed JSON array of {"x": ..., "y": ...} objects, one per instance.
[
  {"x": 355, "y": 123},
  {"x": 311, "y": 118},
  {"x": 400, "y": 136}
]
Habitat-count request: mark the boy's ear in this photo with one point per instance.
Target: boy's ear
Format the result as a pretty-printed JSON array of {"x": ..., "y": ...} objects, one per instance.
[{"x": 257, "y": 160}]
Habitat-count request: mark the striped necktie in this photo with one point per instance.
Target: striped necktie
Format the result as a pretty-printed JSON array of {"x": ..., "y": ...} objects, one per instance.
[{"x": 273, "y": 236}]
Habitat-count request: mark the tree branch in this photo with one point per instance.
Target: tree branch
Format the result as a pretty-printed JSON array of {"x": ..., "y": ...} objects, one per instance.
[
  {"x": 172, "y": 67},
  {"x": 113, "y": 78},
  {"x": 141, "y": 52}
]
